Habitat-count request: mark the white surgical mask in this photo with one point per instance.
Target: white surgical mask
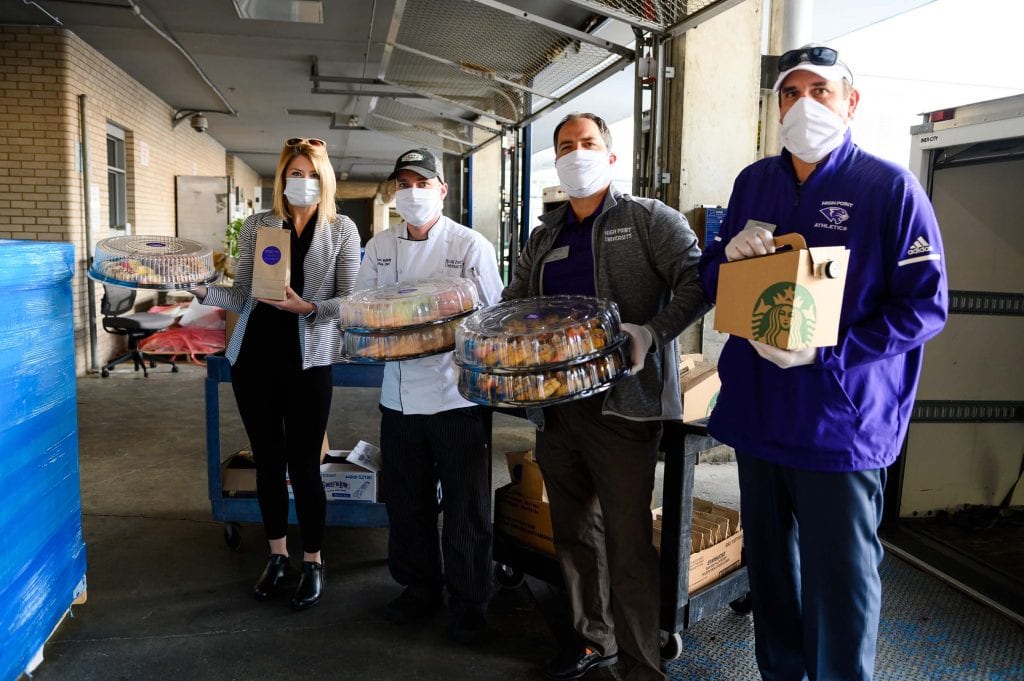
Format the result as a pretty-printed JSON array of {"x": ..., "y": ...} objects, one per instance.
[
  {"x": 811, "y": 130},
  {"x": 584, "y": 172},
  {"x": 418, "y": 206},
  {"x": 301, "y": 191}
]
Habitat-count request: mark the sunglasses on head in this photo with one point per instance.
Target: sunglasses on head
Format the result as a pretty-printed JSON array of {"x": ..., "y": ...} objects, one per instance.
[
  {"x": 310, "y": 141},
  {"x": 820, "y": 56}
]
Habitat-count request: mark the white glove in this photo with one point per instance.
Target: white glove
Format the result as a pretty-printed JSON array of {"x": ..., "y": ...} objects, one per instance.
[
  {"x": 749, "y": 243},
  {"x": 640, "y": 340},
  {"x": 785, "y": 359}
]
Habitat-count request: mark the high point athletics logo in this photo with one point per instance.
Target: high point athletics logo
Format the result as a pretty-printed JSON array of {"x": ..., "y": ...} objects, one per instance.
[{"x": 784, "y": 307}]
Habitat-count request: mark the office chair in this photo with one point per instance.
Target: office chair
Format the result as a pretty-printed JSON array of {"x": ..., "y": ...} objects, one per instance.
[{"x": 118, "y": 300}]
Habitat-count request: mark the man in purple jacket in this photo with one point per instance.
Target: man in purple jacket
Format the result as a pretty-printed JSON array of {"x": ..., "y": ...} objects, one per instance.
[{"x": 814, "y": 429}]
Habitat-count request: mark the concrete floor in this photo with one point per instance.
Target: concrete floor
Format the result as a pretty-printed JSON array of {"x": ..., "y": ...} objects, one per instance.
[{"x": 167, "y": 599}]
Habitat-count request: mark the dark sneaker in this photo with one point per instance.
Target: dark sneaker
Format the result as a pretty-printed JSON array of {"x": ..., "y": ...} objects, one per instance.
[
  {"x": 411, "y": 605},
  {"x": 574, "y": 663}
]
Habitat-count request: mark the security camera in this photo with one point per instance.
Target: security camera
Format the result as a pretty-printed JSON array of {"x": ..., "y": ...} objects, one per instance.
[{"x": 199, "y": 122}]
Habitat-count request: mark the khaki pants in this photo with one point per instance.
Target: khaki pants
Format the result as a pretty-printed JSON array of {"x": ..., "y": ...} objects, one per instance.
[{"x": 599, "y": 472}]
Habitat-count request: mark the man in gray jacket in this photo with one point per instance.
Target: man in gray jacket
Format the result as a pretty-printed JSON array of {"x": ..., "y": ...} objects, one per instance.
[{"x": 598, "y": 454}]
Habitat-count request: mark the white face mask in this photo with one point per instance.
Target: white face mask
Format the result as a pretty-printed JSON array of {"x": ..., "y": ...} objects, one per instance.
[
  {"x": 418, "y": 206},
  {"x": 811, "y": 131},
  {"x": 301, "y": 191},
  {"x": 584, "y": 172}
]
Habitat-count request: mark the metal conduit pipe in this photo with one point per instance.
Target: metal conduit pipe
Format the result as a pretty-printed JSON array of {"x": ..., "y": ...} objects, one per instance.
[
  {"x": 86, "y": 211},
  {"x": 138, "y": 12}
]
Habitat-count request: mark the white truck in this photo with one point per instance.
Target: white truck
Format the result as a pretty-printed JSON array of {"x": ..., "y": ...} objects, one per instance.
[{"x": 965, "y": 447}]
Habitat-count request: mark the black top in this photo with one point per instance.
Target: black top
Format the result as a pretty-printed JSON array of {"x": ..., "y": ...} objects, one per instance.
[{"x": 273, "y": 334}]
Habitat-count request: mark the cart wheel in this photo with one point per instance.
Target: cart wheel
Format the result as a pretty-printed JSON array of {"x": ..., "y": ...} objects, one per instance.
[
  {"x": 508, "y": 577},
  {"x": 104, "y": 373},
  {"x": 152, "y": 364},
  {"x": 742, "y": 605},
  {"x": 671, "y": 646},
  {"x": 174, "y": 368},
  {"x": 232, "y": 536}
]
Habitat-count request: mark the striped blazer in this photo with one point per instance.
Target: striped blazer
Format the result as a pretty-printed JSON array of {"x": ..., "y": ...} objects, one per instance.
[{"x": 330, "y": 273}]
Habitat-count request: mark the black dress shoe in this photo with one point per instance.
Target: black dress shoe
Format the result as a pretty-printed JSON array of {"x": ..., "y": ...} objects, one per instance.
[
  {"x": 574, "y": 663},
  {"x": 311, "y": 586},
  {"x": 412, "y": 605},
  {"x": 271, "y": 577}
]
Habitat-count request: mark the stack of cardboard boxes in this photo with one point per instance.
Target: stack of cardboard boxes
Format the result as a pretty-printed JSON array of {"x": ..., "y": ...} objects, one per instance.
[
  {"x": 716, "y": 542},
  {"x": 522, "y": 513},
  {"x": 699, "y": 382}
]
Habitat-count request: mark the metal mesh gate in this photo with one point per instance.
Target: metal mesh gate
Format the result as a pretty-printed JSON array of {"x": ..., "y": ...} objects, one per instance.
[{"x": 497, "y": 65}]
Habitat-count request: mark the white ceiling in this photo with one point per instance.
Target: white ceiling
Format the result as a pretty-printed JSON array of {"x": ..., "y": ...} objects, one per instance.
[{"x": 262, "y": 69}]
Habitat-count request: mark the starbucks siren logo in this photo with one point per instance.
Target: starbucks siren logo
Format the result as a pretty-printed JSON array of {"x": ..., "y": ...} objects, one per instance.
[{"x": 784, "y": 307}]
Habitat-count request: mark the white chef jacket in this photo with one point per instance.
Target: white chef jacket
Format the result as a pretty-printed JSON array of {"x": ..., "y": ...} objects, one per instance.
[{"x": 430, "y": 384}]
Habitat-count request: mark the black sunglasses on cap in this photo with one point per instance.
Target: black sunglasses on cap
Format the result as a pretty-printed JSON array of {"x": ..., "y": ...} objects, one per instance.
[
  {"x": 820, "y": 56},
  {"x": 311, "y": 141}
]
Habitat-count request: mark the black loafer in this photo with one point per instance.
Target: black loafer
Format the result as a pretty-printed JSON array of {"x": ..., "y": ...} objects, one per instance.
[
  {"x": 412, "y": 605},
  {"x": 271, "y": 577},
  {"x": 574, "y": 663},
  {"x": 311, "y": 586}
]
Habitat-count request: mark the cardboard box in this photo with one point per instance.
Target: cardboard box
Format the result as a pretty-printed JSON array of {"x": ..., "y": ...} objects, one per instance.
[
  {"x": 526, "y": 520},
  {"x": 700, "y": 385},
  {"x": 709, "y": 562},
  {"x": 272, "y": 263},
  {"x": 521, "y": 508},
  {"x": 790, "y": 299},
  {"x": 345, "y": 480},
  {"x": 238, "y": 475},
  {"x": 238, "y": 471}
]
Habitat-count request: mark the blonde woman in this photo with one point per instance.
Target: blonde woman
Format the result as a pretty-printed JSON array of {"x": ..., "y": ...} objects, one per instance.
[{"x": 281, "y": 353}]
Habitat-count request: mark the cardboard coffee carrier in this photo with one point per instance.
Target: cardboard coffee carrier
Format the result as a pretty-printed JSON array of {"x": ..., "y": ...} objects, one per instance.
[
  {"x": 271, "y": 264},
  {"x": 790, "y": 299}
]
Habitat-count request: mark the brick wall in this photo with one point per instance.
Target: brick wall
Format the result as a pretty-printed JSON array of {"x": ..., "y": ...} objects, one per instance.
[{"x": 43, "y": 73}]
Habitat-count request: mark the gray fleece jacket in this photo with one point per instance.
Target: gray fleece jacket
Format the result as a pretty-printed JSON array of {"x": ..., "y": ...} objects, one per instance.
[{"x": 645, "y": 259}]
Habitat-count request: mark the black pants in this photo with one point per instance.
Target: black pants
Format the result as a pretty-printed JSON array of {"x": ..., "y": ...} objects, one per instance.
[
  {"x": 418, "y": 451},
  {"x": 285, "y": 413}
]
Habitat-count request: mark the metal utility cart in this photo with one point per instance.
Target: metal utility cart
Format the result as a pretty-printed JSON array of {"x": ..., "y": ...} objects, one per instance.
[
  {"x": 233, "y": 510},
  {"x": 679, "y": 609}
]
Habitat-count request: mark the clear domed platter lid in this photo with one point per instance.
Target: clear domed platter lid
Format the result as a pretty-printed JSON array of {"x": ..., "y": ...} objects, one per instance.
[
  {"x": 537, "y": 333},
  {"x": 153, "y": 262},
  {"x": 408, "y": 305}
]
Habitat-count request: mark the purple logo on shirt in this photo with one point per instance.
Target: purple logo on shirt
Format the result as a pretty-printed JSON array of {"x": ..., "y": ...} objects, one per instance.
[
  {"x": 784, "y": 316},
  {"x": 835, "y": 214},
  {"x": 271, "y": 255}
]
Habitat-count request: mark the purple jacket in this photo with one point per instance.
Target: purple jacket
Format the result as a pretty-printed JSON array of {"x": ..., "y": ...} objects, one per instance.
[{"x": 850, "y": 409}]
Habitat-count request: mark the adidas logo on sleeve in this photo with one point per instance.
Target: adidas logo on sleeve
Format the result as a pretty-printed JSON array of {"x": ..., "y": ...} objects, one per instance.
[{"x": 920, "y": 246}]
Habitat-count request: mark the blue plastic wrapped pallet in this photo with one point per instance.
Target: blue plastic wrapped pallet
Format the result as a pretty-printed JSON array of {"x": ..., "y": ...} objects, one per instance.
[{"x": 42, "y": 563}]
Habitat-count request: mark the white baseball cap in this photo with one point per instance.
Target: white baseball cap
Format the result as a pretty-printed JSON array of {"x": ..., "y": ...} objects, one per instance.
[{"x": 818, "y": 59}]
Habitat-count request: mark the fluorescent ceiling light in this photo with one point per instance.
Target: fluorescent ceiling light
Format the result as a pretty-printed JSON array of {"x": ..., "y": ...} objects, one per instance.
[{"x": 304, "y": 11}]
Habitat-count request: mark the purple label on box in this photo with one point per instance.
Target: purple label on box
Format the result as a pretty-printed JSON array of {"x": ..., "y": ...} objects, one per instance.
[{"x": 271, "y": 255}]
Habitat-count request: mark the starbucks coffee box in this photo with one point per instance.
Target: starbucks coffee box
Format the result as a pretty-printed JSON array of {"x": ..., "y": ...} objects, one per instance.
[
  {"x": 271, "y": 263},
  {"x": 790, "y": 299}
]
